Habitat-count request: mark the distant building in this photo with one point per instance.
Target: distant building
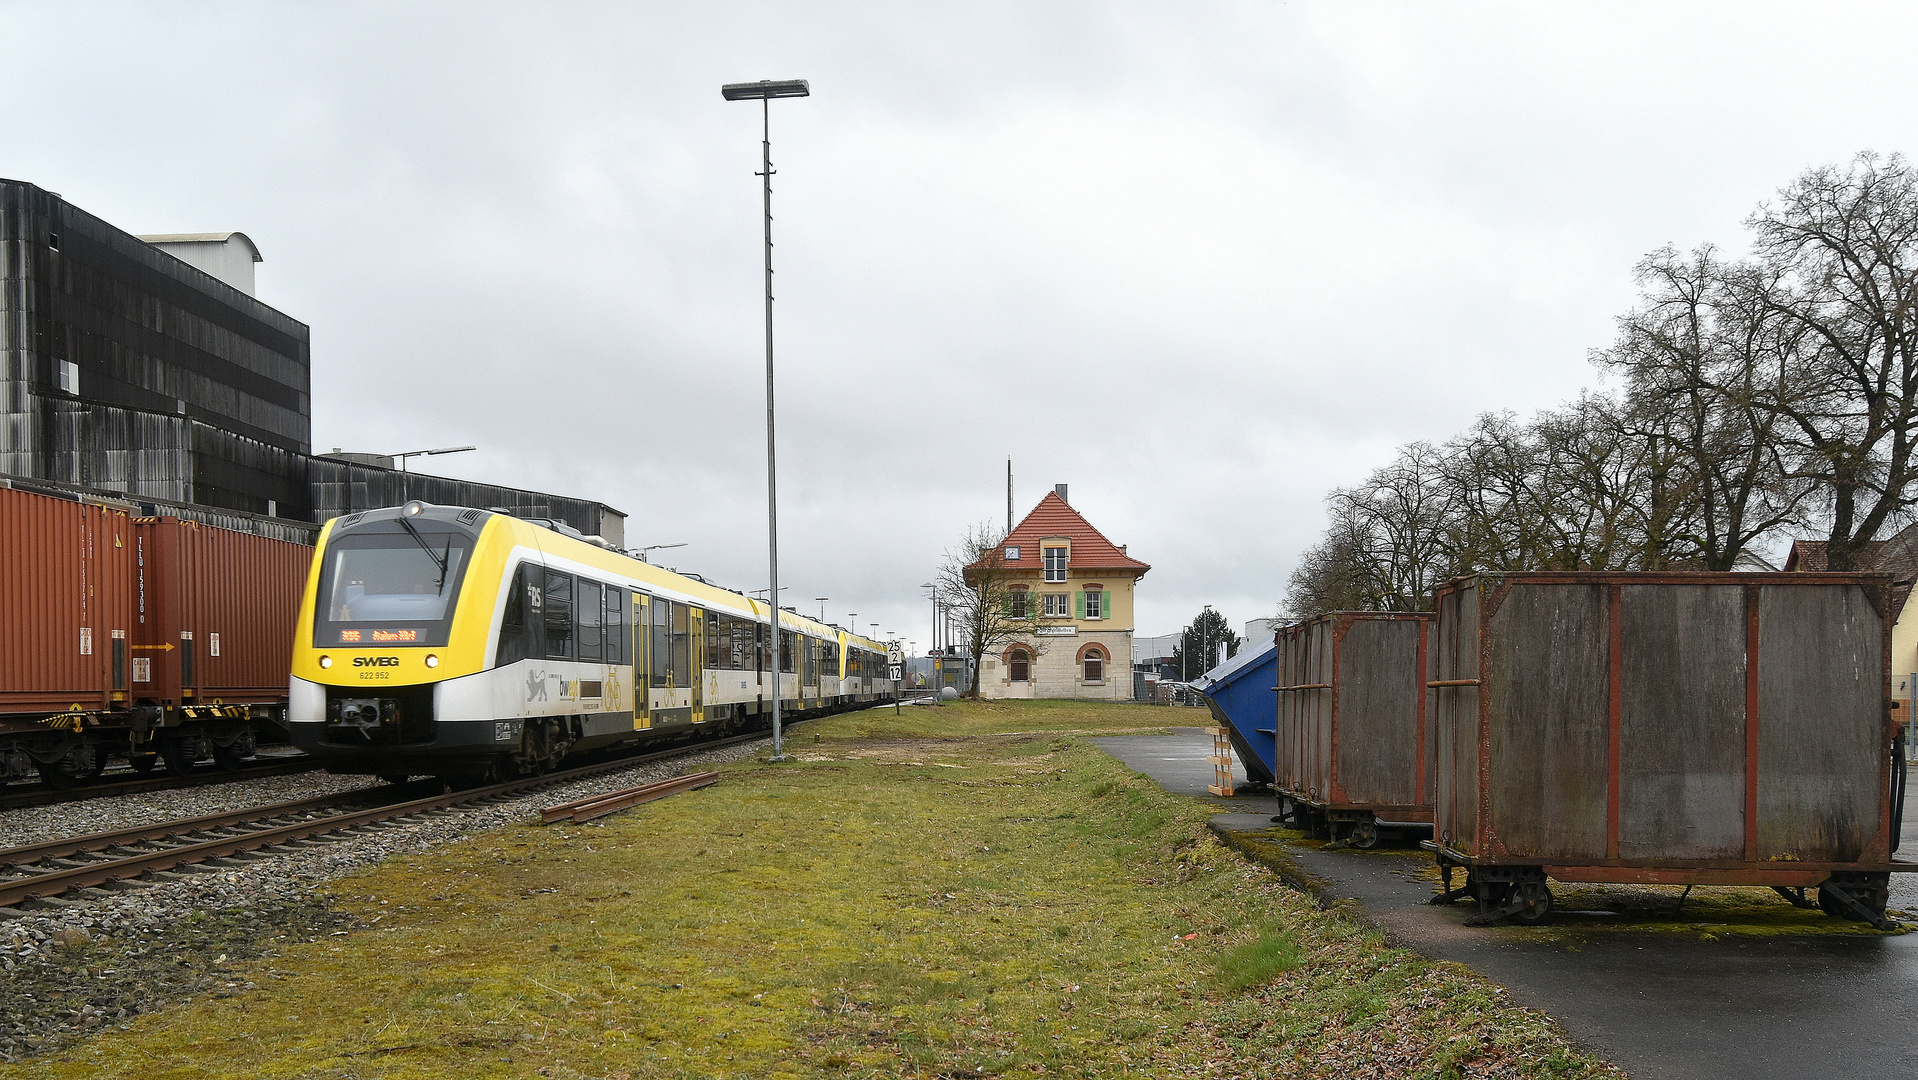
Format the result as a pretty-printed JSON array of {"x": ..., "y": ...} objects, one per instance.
[
  {"x": 1082, "y": 584},
  {"x": 145, "y": 367},
  {"x": 1260, "y": 632},
  {"x": 1157, "y": 655}
]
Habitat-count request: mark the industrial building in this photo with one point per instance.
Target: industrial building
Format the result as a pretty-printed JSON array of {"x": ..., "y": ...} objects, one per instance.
[{"x": 146, "y": 368}]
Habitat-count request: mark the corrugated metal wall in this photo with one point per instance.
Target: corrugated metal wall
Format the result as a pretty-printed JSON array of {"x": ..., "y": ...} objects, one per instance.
[{"x": 341, "y": 487}]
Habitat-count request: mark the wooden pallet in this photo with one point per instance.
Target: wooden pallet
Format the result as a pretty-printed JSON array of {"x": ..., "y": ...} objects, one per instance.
[{"x": 1222, "y": 761}]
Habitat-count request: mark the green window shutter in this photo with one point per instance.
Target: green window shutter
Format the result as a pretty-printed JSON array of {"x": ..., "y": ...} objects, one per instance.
[
  {"x": 1105, "y": 604},
  {"x": 1079, "y": 604}
]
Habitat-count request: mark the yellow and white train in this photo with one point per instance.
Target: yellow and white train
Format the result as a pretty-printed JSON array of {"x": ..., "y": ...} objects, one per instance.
[{"x": 461, "y": 643}]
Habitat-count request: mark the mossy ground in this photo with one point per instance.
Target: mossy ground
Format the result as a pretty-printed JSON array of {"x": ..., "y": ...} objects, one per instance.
[{"x": 889, "y": 904}]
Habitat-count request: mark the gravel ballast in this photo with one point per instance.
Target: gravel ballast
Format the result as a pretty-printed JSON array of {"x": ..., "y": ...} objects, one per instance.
[{"x": 74, "y": 967}]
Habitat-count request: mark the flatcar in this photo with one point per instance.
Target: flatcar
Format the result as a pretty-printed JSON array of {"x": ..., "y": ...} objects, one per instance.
[{"x": 461, "y": 643}]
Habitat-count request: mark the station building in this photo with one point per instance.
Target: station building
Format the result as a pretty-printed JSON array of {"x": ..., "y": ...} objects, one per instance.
[
  {"x": 143, "y": 367},
  {"x": 1082, "y": 585}
]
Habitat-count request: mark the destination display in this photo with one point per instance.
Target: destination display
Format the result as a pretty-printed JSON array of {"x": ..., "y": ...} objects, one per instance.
[{"x": 353, "y": 637}]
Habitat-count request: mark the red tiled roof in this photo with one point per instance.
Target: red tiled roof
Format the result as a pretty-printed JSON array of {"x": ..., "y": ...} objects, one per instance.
[{"x": 1090, "y": 549}]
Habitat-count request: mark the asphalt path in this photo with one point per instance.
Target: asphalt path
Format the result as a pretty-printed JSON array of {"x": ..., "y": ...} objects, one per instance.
[{"x": 1658, "y": 1004}]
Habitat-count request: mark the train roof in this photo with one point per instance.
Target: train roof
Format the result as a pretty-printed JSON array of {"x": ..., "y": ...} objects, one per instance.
[{"x": 593, "y": 552}]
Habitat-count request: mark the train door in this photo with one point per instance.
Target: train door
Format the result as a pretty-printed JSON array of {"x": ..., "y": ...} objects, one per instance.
[
  {"x": 642, "y": 640},
  {"x": 810, "y": 680},
  {"x": 696, "y": 669}
]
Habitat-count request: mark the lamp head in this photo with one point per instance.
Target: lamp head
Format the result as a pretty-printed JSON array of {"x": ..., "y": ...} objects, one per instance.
[{"x": 765, "y": 89}]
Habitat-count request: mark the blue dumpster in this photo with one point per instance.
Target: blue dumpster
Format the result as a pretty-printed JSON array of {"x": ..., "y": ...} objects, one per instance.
[{"x": 1240, "y": 694}]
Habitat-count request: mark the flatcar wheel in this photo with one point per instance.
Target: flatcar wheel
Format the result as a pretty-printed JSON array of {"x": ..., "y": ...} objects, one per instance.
[
  {"x": 58, "y": 776},
  {"x": 175, "y": 758},
  {"x": 143, "y": 763},
  {"x": 229, "y": 758},
  {"x": 1365, "y": 834},
  {"x": 1536, "y": 900}
]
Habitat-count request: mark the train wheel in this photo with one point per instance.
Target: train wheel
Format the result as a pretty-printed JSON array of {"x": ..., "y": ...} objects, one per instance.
[
  {"x": 81, "y": 764},
  {"x": 143, "y": 763},
  {"x": 174, "y": 756},
  {"x": 58, "y": 775},
  {"x": 229, "y": 758}
]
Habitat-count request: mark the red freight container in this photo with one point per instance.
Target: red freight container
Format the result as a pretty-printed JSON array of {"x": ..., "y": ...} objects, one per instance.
[
  {"x": 1708, "y": 729},
  {"x": 1351, "y": 726},
  {"x": 154, "y": 639},
  {"x": 65, "y": 610},
  {"x": 215, "y": 613}
]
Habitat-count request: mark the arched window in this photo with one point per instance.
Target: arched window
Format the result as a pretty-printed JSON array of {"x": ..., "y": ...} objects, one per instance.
[
  {"x": 1019, "y": 665},
  {"x": 1094, "y": 663}
]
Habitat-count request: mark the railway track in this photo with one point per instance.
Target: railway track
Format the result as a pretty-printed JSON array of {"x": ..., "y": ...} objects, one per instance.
[
  {"x": 120, "y": 858},
  {"x": 41, "y": 795}
]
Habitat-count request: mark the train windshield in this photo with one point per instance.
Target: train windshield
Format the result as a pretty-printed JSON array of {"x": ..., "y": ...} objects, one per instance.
[{"x": 391, "y": 588}]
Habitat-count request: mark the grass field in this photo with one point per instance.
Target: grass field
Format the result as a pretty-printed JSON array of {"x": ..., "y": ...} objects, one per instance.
[{"x": 952, "y": 893}]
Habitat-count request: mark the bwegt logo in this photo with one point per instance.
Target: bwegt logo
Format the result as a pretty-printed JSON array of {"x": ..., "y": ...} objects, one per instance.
[{"x": 376, "y": 661}]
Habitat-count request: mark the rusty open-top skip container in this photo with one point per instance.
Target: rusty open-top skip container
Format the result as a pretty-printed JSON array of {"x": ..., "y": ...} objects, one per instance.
[
  {"x": 1351, "y": 724},
  {"x": 1695, "y": 728}
]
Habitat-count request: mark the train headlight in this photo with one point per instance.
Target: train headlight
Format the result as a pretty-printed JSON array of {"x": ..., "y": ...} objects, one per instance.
[
  {"x": 432, "y": 661},
  {"x": 326, "y": 662},
  {"x": 413, "y": 508}
]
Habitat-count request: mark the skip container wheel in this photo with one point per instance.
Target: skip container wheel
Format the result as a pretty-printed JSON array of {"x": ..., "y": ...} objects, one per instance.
[
  {"x": 1534, "y": 902},
  {"x": 1365, "y": 834}
]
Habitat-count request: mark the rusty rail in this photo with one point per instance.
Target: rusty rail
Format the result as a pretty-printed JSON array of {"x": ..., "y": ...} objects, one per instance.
[
  {"x": 598, "y": 806},
  {"x": 54, "y": 849}
]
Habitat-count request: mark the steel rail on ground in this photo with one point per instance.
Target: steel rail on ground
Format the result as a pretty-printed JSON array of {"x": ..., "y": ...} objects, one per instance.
[{"x": 134, "y": 864}]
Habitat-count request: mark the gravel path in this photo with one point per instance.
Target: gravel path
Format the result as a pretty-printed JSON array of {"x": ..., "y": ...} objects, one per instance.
[{"x": 81, "y": 966}]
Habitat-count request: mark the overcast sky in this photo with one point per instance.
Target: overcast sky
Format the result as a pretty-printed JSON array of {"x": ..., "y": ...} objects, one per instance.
[{"x": 1200, "y": 261}]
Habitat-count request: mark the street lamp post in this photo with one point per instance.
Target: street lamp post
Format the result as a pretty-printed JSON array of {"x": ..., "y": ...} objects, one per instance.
[
  {"x": 822, "y": 606},
  {"x": 938, "y": 657},
  {"x": 640, "y": 553},
  {"x": 764, "y": 92},
  {"x": 401, "y": 457}
]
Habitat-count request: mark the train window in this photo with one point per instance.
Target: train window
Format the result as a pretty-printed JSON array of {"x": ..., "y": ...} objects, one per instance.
[
  {"x": 591, "y": 596},
  {"x": 613, "y": 645},
  {"x": 743, "y": 645},
  {"x": 662, "y": 642},
  {"x": 559, "y": 614},
  {"x": 788, "y": 646},
  {"x": 682, "y": 646},
  {"x": 512, "y": 623},
  {"x": 379, "y": 587},
  {"x": 712, "y": 639}
]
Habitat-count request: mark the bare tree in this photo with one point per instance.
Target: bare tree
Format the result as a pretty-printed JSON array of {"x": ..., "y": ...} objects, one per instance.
[
  {"x": 1841, "y": 253},
  {"x": 1700, "y": 355},
  {"x": 986, "y": 599}
]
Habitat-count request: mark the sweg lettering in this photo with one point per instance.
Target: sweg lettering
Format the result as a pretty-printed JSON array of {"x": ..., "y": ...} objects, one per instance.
[{"x": 376, "y": 661}]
